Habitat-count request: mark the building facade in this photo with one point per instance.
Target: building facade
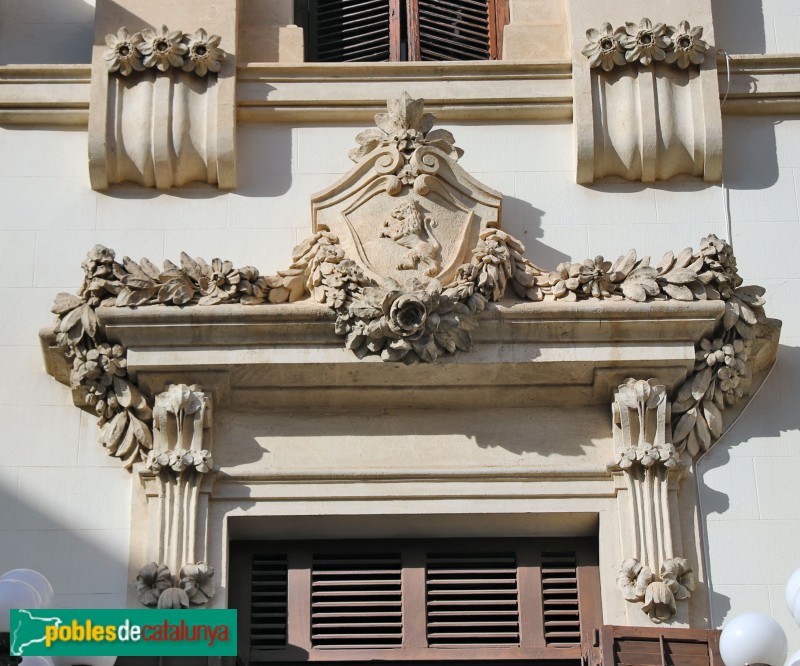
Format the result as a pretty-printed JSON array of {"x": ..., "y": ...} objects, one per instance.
[{"x": 260, "y": 414}]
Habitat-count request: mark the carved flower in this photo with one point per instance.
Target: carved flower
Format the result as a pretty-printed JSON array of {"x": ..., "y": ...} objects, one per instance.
[
  {"x": 633, "y": 579},
  {"x": 659, "y": 602},
  {"x": 203, "y": 53},
  {"x": 196, "y": 582},
  {"x": 604, "y": 48},
  {"x": 123, "y": 55},
  {"x": 162, "y": 49},
  {"x": 95, "y": 370},
  {"x": 179, "y": 460},
  {"x": 183, "y": 398},
  {"x": 668, "y": 456},
  {"x": 200, "y": 460},
  {"x": 645, "y": 43},
  {"x": 688, "y": 46},
  {"x": 218, "y": 282},
  {"x": 98, "y": 262},
  {"x": 151, "y": 582},
  {"x": 173, "y": 597},
  {"x": 678, "y": 577},
  {"x": 408, "y": 314},
  {"x": 647, "y": 454},
  {"x": 157, "y": 460},
  {"x": 625, "y": 459}
]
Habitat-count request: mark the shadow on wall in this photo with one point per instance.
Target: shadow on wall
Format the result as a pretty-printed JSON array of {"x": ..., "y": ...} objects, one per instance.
[
  {"x": 42, "y": 32},
  {"x": 770, "y": 415},
  {"x": 523, "y": 221},
  {"x": 739, "y": 26},
  {"x": 84, "y": 572}
]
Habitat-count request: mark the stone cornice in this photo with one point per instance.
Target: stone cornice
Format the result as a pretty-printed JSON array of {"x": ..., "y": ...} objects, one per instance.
[{"x": 59, "y": 94}]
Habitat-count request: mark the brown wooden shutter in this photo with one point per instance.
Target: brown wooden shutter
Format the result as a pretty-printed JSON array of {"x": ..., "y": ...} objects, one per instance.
[
  {"x": 562, "y": 622},
  {"x": 472, "y": 599},
  {"x": 349, "y": 31},
  {"x": 456, "y": 29},
  {"x": 356, "y": 601},
  {"x": 268, "y": 606},
  {"x": 643, "y": 646}
]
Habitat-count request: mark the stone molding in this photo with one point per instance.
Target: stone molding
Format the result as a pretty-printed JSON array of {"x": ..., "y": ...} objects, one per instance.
[{"x": 58, "y": 95}]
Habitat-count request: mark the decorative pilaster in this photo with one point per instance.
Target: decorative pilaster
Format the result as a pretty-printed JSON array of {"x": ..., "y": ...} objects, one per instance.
[
  {"x": 181, "y": 467},
  {"x": 641, "y": 426}
]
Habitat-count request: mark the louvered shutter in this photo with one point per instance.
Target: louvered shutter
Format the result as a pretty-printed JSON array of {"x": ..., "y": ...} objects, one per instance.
[
  {"x": 639, "y": 646},
  {"x": 350, "y": 30},
  {"x": 269, "y": 603},
  {"x": 454, "y": 29},
  {"x": 562, "y": 624},
  {"x": 356, "y": 601},
  {"x": 472, "y": 599}
]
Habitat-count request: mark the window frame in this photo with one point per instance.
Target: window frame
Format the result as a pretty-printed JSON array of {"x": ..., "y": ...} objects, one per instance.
[
  {"x": 532, "y": 642},
  {"x": 498, "y": 11}
]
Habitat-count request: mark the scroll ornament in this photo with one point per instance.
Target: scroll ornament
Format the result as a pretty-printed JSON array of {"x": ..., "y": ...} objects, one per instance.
[
  {"x": 682, "y": 45},
  {"x": 417, "y": 320},
  {"x": 163, "y": 49}
]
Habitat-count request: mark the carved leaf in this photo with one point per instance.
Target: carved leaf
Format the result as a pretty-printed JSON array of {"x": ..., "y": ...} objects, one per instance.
[
  {"x": 71, "y": 319},
  {"x": 731, "y": 315},
  {"x": 679, "y": 292},
  {"x": 703, "y": 433},
  {"x": 700, "y": 383},
  {"x": 111, "y": 433},
  {"x": 65, "y": 303},
  {"x": 634, "y": 291},
  {"x": 692, "y": 444},
  {"x": 713, "y": 417},
  {"x": 680, "y": 276},
  {"x": 745, "y": 330},
  {"x": 278, "y": 295},
  {"x": 622, "y": 266},
  {"x": 684, "y": 426},
  {"x": 752, "y": 295},
  {"x": 89, "y": 320},
  {"x": 666, "y": 263}
]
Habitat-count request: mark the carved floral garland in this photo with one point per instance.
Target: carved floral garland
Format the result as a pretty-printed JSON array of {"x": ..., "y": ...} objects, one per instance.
[
  {"x": 412, "y": 322},
  {"x": 163, "y": 49},
  {"x": 681, "y": 45}
]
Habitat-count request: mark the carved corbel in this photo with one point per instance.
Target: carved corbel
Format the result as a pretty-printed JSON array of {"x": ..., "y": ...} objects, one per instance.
[
  {"x": 646, "y": 103},
  {"x": 654, "y": 573},
  {"x": 162, "y": 102},
  {"x": 181, "y": 467}
]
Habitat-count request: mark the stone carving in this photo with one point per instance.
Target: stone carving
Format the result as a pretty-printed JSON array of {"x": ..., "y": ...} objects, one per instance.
[
  {"x": 645, "y": 43},
  {"x": 651, "y": 108},
  {"x": 721, "y": 372},
  {"x": 641, "y": 427},
  {"x": 157, "y": 587},
  {"x": 163, "y": 49},
  {"x": 180, "y": 459},
  {"x": 407, "y": 251}
]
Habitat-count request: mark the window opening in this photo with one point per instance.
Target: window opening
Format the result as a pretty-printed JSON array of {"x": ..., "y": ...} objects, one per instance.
[{"x": 402, "y": 30}]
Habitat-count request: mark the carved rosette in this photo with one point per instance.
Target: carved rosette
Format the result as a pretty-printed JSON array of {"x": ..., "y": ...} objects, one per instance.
[{"x": 641, "y": 428}]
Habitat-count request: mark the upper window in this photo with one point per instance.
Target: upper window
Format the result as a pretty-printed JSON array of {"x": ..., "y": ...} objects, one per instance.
[{"x": 401, "y": 30}]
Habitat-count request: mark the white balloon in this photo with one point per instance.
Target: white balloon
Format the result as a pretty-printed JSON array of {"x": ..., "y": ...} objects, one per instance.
[
  {"x": 794, "y": 660},
  {"x": 15, "y": 594},
  {"x": 753, "y": 638},
  {"x": 36, "y": 661},
  {"x": 796, "y": 609},
  {"x": 36, "y": 580},
  {"x": 84, "y": 661}
]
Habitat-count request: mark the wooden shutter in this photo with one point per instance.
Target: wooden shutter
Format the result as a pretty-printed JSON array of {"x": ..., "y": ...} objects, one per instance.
[
  {"x": 350, "y": 30},
  {"x": 643, "y": 646},
  {"x": 456, "y": 29},
  {"x": 269, "y": 603},
  {"x": 562, "y": 622},
  {"x": 356, "y": 602},
  {"x": 472, "y": 599}
]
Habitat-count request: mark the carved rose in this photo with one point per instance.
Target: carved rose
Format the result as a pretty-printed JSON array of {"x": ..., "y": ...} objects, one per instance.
[
  {"x": 123, "y": 56},
  {"x": 688, "y": 47},
  {"x": 152, "y": 580},
  {"x": 173, "y": 597},
  {"x": 645, "y": 42},
  {"x": 163, "y": 48},
  {"x": 633, "y": 579},
  {"x": 196, "y": 582},
  {"x": 203, "y": 53},
  {"x": 604, "y": 48},
  {"x": 408, "y": 314},
  {"x": 678, "y": 577},
  {"x": 659, "y": 602}
]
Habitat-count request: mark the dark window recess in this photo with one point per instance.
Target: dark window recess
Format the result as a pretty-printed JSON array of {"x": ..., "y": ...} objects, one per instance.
[
  {"x": 496, "y": 600},
  {"x": 396, "y": 30}
]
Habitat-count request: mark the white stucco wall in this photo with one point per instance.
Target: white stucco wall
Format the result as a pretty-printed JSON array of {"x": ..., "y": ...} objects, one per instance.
[{"x": 64, "y": 506}]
